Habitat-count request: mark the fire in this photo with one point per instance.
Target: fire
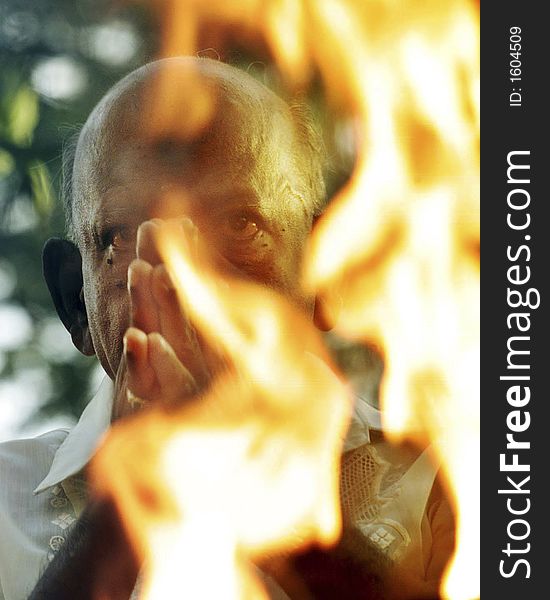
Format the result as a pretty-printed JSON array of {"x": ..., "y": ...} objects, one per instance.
[
  {"x": 398, "y": 248},
  {"x": 406, "y": 230},
  {"x": 248, "y": 470}
]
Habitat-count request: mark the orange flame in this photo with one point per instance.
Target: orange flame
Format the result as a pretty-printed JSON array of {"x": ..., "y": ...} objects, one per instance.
[
  {"x": 247, "y": 470},
  {"x": 406, "y": 231}
]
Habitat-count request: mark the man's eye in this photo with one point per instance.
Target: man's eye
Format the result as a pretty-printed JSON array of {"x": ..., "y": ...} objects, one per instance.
[
  {"x": 115, "y": 238},
  {"x": 242, "y": 227}
]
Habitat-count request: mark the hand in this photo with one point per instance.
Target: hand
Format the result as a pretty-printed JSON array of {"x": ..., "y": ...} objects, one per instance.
[
  {"x": 263, "y": 436},
  {"x": 163, "y": 359}
]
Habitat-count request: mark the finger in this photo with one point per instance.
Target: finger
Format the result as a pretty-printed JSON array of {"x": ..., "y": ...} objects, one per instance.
[
  {"x": 204, "y": 254},
  {"x": 174, "y": 323},
  {"x": 190, "y": 237},
  {"x": 120, "y": 397},
  {"x": 146, "y": 245},
  {"x": 144, "y": 311},
  {"x": 141, "y": 378},
  {"x": 183, "y": 235},
  {"x": 203, "y": 359},
  {"x": 175, "y": 382}
]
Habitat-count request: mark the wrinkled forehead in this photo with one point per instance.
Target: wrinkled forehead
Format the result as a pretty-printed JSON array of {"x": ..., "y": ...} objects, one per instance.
[{"x": 248, "y": 133}]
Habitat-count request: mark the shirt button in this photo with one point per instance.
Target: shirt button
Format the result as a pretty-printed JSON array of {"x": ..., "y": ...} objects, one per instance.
[
  {"x": 56, "y": 542},
  {"x": 58, "y": 502}
]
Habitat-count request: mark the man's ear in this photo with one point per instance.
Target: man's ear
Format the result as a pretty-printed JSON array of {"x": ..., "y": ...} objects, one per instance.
[{"x": 62, "y": 268}]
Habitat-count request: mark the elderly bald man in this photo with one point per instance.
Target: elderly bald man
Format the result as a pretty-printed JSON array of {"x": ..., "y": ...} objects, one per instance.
[{"x": 248, "y": 188}]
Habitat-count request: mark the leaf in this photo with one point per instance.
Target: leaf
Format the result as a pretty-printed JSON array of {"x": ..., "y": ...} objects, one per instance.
[
  {"x": 7, "y": 163},
  {"x": 41, "y": 185},
  {"x": 23, "y": 116}
]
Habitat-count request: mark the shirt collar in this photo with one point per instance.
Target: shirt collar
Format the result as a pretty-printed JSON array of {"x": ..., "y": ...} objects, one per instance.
[
  {"x": 80, "y": 444},
  {"x": 363, "y": 418}
]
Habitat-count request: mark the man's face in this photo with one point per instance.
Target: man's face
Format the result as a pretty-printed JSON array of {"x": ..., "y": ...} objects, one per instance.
[{"x": 239, "y": 196}]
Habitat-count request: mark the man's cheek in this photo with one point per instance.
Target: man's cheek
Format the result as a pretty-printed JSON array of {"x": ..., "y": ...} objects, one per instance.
[
  {"x": 115, "y": 274},
  {"x": 109, "y": 318},
  {"x": 114, "y": 328}
]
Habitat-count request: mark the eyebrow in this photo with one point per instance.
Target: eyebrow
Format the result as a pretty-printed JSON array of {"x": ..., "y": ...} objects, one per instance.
[
  {"x": 112, "y": 211},
  {"x": 233, "y": 196}
]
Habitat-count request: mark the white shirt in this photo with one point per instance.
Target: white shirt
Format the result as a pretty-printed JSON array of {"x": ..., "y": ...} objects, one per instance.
[{"x": 42, "y": 492}]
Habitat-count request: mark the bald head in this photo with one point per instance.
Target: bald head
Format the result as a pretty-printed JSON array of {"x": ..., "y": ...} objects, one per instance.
[
  {"x": 244, "y": 123},
  {"x": 246, "y": 176}
]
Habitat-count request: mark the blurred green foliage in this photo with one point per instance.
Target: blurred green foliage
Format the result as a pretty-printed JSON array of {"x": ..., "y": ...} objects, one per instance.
[{"x": 57, "y": 58}]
